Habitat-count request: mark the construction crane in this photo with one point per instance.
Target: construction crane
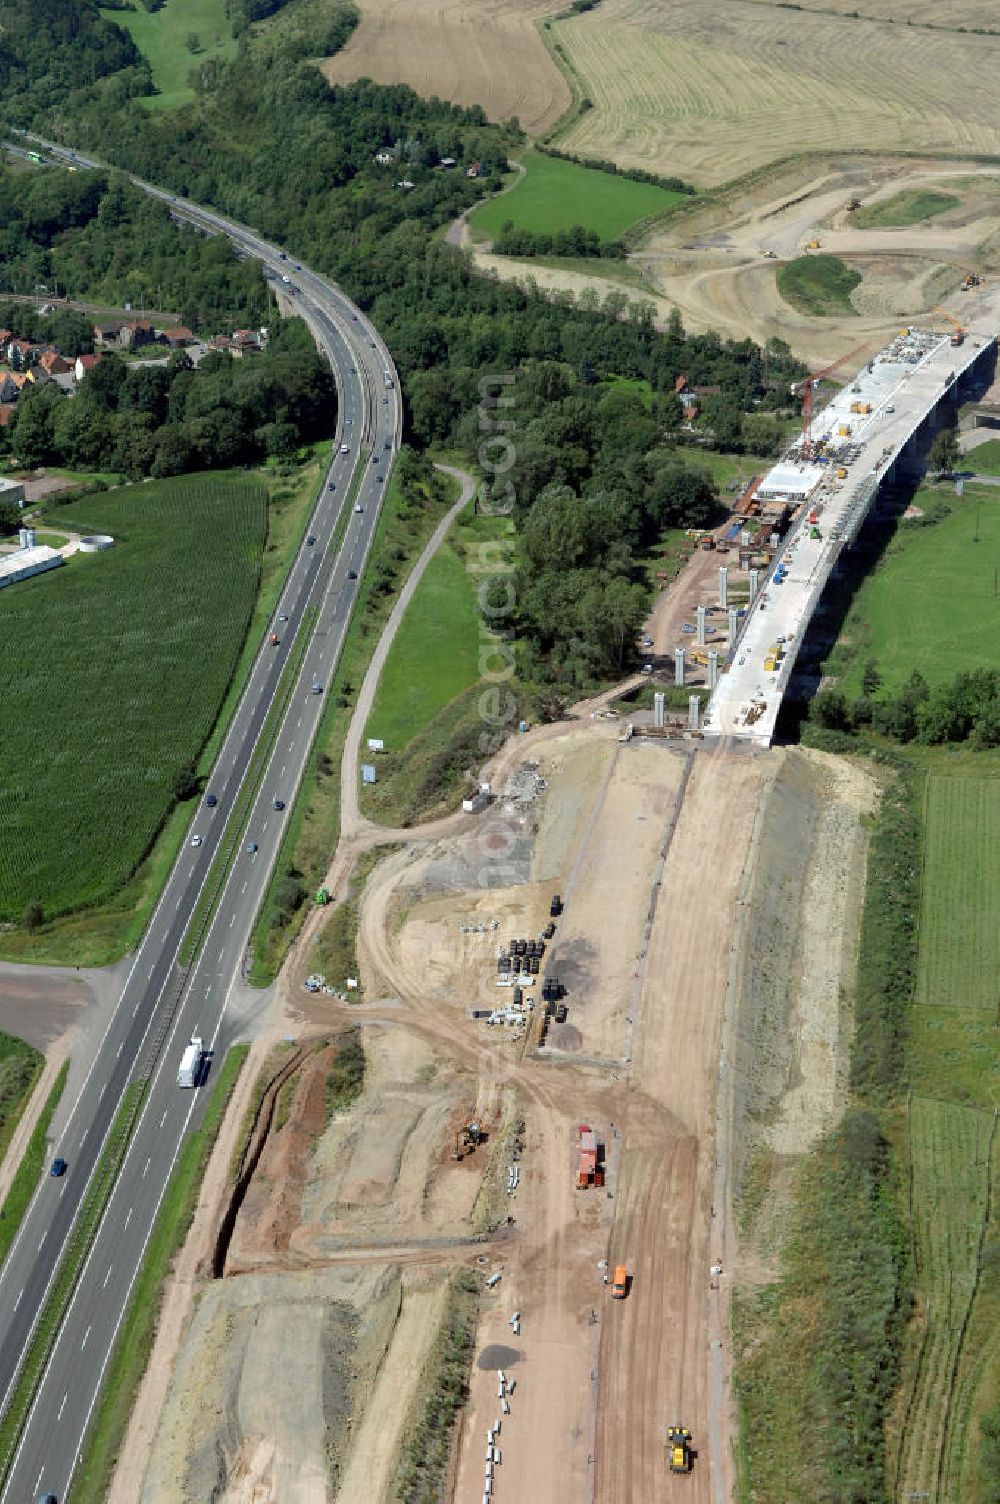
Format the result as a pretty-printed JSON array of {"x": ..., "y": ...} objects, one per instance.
[
  {"x": 959, "y": 334},
  {"x": 808, "y": 386}
]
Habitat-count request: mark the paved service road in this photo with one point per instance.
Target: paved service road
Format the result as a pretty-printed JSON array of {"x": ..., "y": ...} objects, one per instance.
[{"x": 161, "y": 1006}]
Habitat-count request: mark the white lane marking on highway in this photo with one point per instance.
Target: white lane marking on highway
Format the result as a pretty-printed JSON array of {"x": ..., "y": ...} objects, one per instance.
[
  {"x": 107, "y": 1277},
  {"x": 232, "y": 921},
  {"x": 119, "y": 1049},
  {"x": 18, "y": 1300},
  {"x": 244, "y": 888},
  {"x": 86, "y": 1334},
  {"x": 137, "y": 1007},
  {"x": 128, "y": 1218},
  {"x": 146, "y": 1166},
  {"x": 42, "y": 1243},
  {"x": 283, "y": 766},
  {"x": 299, "y": 721},
  {"x": 38, "y": 1479},
  {"x": 164, "y": 1117},
  {"x": 62, "y": 1190},
  {"x": 83, "y": 1137},
  {"x": 62, "y": 1406}
]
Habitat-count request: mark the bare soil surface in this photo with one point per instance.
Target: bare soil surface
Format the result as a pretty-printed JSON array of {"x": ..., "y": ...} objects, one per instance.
[
  {"x": 63, "y": 1012},
  {"x": 793, "y": 983},
  {"x": 717, "y": 263}
]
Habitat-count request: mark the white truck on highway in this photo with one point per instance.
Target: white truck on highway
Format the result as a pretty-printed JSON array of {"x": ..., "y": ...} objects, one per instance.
[{"x": 189, "y": 1072}]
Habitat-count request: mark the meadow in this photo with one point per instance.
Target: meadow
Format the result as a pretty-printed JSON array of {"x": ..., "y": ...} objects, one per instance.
[
  {"x": 818, "y": 285},
  {"x": 959, "y": 937},
  {"x": 932, "y": 603},
  {"x": 950, "y": 1170},
  {"x": 113, "y": 676},
  {"x": 427, "y": 698},
  {"x": 984, "y": 459},
  {"x": 712, "y": 92},
  {"x": 555, "y": 195},
  {"x": 907, "y": 208},
  {"x": 952, "y": 1358},
  {"x": 162, "y": 37},
  {"x": 435, "y": 653}
]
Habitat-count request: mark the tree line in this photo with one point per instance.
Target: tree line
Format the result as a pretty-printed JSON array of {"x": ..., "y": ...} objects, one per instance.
[
  {"x": 965, "y": 709},
  {"x": 576, "y": 241}
]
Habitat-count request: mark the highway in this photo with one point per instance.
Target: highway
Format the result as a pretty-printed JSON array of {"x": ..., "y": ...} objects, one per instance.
[{"x": 161, "y": 1006}]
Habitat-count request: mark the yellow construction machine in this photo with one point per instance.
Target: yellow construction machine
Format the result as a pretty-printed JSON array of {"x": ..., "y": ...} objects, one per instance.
[{"x": 680, "y": 1456}]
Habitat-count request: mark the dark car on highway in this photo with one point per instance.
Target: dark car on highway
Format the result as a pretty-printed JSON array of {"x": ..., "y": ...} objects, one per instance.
[
  {"x": 211, "y": 800},
  {"x": 58, "y": 1168}
]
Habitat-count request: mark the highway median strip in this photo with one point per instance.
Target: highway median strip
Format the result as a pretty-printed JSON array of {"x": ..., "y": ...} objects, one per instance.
[
  {"x": 78, "y": 1244},
  {"x": 223, "y": 860}
]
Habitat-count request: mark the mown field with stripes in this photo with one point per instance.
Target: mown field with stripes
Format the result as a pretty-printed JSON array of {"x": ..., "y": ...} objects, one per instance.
[{"x": 710, "y": 92}]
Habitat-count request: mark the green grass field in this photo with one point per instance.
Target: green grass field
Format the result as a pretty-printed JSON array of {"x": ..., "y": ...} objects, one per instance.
[
  {"x": 435, "y": 655},
  {"x": 959, "y": 935},
  {"x": 818, "y": 285},
  {"x": 907, "y": 208},
  {"x": 930, "y": 604},
  {"x": 556, "y": 195},
  {"x": 984, "y": 459},
  {"x": 112, "y": 677},
  {"x": 20, "y": 1066},
  {"x": 162, "y": 37},
  {"x": 949, "y": 1169}
]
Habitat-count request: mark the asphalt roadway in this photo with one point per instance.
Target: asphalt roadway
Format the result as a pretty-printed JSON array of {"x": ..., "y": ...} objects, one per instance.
[{"x": 161, "y": 1006}]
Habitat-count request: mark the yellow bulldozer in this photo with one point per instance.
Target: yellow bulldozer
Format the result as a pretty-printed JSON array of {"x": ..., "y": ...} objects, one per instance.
[{"x": 680, "y": 1456}]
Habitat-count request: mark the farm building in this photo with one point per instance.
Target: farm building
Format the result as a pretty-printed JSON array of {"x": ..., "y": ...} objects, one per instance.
[{"x": 27, "y": 562}]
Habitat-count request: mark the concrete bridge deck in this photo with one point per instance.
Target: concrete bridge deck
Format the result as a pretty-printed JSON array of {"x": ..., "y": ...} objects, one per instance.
[{"x": 903, "y": 385}]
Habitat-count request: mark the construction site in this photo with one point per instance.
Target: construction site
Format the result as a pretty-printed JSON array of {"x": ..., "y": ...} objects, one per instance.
[
  {"x": 547, "y": 1176},
  {"x": 772, "y": 559},
  {"x": 583, "y": 1013}
]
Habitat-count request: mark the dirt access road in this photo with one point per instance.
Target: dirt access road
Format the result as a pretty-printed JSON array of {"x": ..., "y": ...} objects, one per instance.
[
  {"x": 585, "y": 1362},
  {"x": 655, "y": 1346}
]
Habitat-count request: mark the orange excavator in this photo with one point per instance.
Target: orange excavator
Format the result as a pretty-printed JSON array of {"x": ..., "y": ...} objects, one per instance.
[
  {"x": 959, "y": 333},
  {"x": 809, "y": 385}
]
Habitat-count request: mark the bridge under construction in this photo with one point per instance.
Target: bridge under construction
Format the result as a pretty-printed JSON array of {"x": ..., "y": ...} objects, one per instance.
[{"x": 827, "y": 483}]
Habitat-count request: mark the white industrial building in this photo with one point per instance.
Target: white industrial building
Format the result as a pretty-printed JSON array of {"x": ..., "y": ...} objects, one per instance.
[{"x": 31, "y": 558}]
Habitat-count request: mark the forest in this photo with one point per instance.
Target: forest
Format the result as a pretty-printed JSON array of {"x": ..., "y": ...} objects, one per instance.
[
  {"x": 95, "y": 235},
  {"x": 171, "y": 417}
]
